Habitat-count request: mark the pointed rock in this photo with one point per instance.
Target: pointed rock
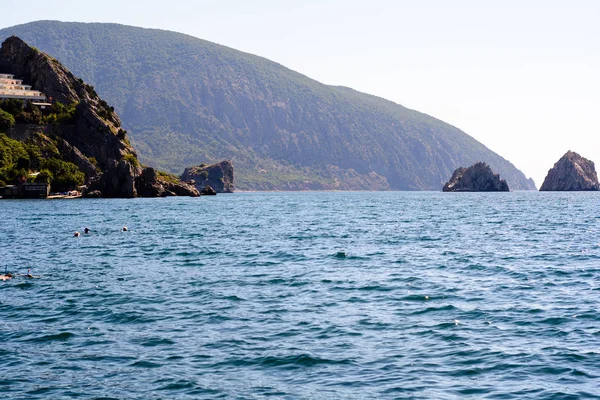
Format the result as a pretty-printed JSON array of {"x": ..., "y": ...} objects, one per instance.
[{"x": 571, "y": 173}]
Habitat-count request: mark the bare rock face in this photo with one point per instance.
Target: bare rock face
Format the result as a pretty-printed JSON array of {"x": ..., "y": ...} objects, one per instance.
[
  {"x": 73, "y": 155},
  {"x": 148, "y": 185},
  {"x": 571, "y": 173},
  {"x": 208, "y": 191},
  {"x": 218, "y": 176},
  {"x": 96, "y": 129},
  {"x": 180, "y": 189},
  {"x": 124, "y": 180},
  {"x": 94, "y": 132},
  {"x": 477, "y": 178},
  {"x": 117, "y": 181}
]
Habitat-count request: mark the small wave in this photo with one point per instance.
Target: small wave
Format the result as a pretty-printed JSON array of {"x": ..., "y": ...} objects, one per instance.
[
  {"x": 429, "y": 239},
  {"x": 448, "y": 307},
  {"x": 292, "y": 361},
  {"x": 154, "y": 342},
  {"x": 376, "y": 325},
  {"x": 375, "y": 288},
  {"x": 234, "y": 298},
  {"x": 416, "y": 297},
  {"x": 178, "y": 385},
  {"x": 145, "y": 364},
  {"x": 129, "y": 318},
  {"x": 58, "y": 337}
]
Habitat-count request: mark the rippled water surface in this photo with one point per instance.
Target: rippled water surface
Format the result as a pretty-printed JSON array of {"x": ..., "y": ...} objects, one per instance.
[{"x": 303, "y": 295}]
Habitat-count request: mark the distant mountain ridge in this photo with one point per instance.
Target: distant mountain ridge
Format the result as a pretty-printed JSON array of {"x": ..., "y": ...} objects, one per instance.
[{"x": 187, "y": 101}]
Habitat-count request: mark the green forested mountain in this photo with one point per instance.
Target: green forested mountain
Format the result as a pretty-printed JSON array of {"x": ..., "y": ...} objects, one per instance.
[{"x": 186, "y": 101}]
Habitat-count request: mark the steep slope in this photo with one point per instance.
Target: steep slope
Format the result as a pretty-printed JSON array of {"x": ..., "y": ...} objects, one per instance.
[
  {"x": 571, "y": 173},
  {"x": 77, "y": 128},
  {"x": 188, "y": 101}
]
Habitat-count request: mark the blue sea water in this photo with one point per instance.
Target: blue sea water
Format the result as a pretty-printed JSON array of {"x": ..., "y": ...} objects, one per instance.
[{"x": 303, "y": 296}]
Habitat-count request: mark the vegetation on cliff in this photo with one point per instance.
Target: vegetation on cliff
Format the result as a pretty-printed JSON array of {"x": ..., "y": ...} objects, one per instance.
[
  {"x": 7, "y": 121},
  {"x": 77, "y": 139},
  {"x": 188, "y": 101},
  {"x": 20, "y": 160}
]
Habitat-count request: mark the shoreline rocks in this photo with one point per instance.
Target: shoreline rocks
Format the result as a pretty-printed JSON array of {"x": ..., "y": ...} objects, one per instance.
[
  {"x": 208, "y": 191},
  {"x": 571, "y": 173},
  {"x": 124, "y": 180},
  {"x": 219, "y": 176},
  {"x": 476, "y": 178}
]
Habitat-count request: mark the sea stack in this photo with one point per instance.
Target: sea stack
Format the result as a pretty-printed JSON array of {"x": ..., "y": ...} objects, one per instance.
[
  {"x": 477, "y": 178},
  {"x": 219, "y": 176},
  {"x": 571, "y": 173}
]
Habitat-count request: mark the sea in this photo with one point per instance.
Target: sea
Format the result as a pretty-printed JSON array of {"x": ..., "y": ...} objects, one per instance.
[{"x": 302, "y": 295}]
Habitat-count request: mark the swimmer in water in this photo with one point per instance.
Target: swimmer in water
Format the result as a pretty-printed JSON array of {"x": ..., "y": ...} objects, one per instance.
[
  {"x": 86, "y": 230},
  {"x": 125, "y": 229},
  {"x": 7, "y": 275},
  {"x": 29, "y": 274},
  {"x": 76, "y": 234}
]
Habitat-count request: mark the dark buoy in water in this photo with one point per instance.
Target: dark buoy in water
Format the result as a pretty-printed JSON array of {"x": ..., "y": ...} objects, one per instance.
[
  {"x": 125, "y": 229},
  {"x": 340, "y": 254}
]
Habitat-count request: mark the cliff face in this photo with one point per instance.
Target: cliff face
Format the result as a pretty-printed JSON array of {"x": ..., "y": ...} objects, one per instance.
[
  {"x": 125, "y": 180},
  {"x": 92, "y": 137},
  {"x": 477, "y": 178},
  {"x": 572, "y": 173},
  {"x": 218, "y": 176},
  {"x": 96, "y": 129}
]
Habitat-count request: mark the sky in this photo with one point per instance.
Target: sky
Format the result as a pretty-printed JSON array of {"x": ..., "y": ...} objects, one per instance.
[{"x": 522, "y": 77}]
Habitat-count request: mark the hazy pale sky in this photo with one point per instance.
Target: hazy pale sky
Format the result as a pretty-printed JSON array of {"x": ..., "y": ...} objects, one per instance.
[{"x": 522, "y": 77}]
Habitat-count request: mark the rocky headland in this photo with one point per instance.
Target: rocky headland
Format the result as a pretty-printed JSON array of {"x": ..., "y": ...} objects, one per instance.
[
  {"x": 282, "y": 130},
  {"x": 79, "y": 129},
  {"x": 476, "y": 178},
  {"x": 218, "y": 176},
  {"x": 571, "y": 173}
]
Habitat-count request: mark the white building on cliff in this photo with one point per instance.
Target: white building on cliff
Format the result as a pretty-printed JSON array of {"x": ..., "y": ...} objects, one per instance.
[{"x": 11, "y": 88}]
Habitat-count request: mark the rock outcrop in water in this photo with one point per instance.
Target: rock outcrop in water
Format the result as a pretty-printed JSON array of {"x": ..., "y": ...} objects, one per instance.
[
  {"x": 571, "y": 173},
  {"x": 477, "y": 178},
  {"x": 125, "y": 180},
  {"x": 91, "y": 138},
  {"x": 208, "y": 191},
  {"x": 217, "y": 176}
]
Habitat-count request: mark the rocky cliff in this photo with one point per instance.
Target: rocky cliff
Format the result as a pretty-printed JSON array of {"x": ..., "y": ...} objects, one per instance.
[
  {"x": 96, "y": 129},
  {"x": 477, "y": 178},
  {"x": 571, "y": 173},
  {"x": 219, "y": 176},
  {"x": 87, "y": 133}
]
